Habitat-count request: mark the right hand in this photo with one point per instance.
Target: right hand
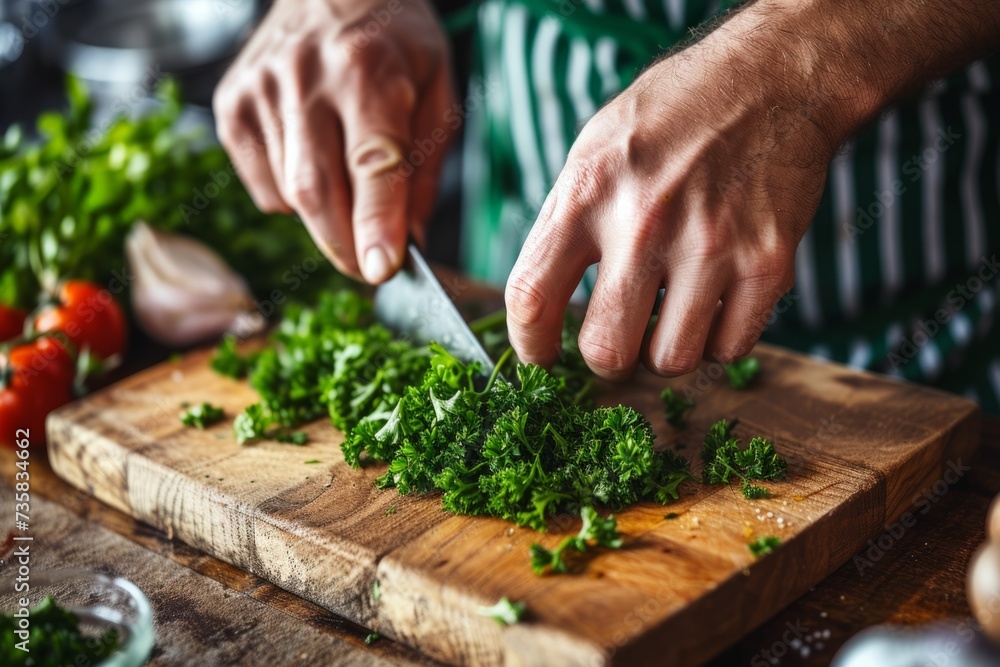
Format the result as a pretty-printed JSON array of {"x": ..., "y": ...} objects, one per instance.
[{"x": 320, "y": 114}]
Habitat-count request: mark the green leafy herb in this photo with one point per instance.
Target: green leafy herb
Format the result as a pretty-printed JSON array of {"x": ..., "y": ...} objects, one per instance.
[
  {"x": 297, "y": 438},
  {"x": 229, "y": 362},
  {"x": 674, "y": 406},
  {"x": 517, "y": 450},
  {"x": 312, "y": 461},
  {"x": 372, "y": 638},
  {"x": 69, "y": 199},
  {"x": 504, "y": 612},
  {"x": 603, "y": 532},
  {"x": 742, "y": 372},
  {"x": 251, "y": 424},
  {"x": 55, "y": 639},
  {"x": 376, "y": 592},
  {"x": 763, "y": 546},
  {"x": 725, "y": 459},
  {"x": 202, "y": 416},
  {"x": 390, "y": 510}
]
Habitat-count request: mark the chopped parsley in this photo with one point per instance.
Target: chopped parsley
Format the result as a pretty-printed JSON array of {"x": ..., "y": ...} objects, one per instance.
[
  {"x": 504, "y": 612},
  {"x": 742, "y": 372},
  {"x": 229, "y": 362},
  {"x": 725, "y": 459},
  {"x": 296, "y": 438},
  {"x": 674, "y": 407},
  {"x": 55, "y": 640},
  {"x": 763, "y": 546},
  {"x": 603, "y": 532},
  {"x": 372, "y": 638},
  {"x": 202, "y": 416}
]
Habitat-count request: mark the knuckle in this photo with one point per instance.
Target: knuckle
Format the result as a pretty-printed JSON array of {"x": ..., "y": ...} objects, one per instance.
[
  {"x": 526, "y": 304},
  {"x": 584, "y": 178},
  {"x": 303, "y": 192},
  {"x": 674, "y": 362},
  {"x": 709, "y": 241},
  {"x": 604, "y": 359}
]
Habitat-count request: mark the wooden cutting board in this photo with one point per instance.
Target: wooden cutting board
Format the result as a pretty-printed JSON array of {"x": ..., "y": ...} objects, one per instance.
[{"x": 860, "y": 449}]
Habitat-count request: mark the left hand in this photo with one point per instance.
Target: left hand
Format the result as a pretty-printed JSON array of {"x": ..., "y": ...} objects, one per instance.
[{"x": 701, "y": 177}]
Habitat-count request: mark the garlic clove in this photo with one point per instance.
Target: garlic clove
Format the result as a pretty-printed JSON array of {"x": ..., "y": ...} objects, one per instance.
[{"x": 183, "y": 292}]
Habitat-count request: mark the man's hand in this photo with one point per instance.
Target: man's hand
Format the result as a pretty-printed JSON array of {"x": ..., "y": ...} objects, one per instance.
[
  {"x": 703, "y": 176},
  {"x": 320, "y": 109}
]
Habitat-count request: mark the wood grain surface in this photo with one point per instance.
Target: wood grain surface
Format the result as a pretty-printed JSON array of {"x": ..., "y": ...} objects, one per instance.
[
  {"x": 196, "y": 620},
  {"x": 859, "y": 447}
]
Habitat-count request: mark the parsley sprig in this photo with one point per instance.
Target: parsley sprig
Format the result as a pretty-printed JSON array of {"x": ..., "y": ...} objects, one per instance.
[
  {"x": 202, "y": 416},
  {"x": 674, "y": 407},
  {"x": 504, "y": 612},
  {"x": 742, "y": 372},
  {"x": 603, "y": 532},
  {"x": 725, "y": 459}
]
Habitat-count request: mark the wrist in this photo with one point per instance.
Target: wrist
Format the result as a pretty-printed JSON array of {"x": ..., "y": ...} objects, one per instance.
[{"x": 799, "y": 60}]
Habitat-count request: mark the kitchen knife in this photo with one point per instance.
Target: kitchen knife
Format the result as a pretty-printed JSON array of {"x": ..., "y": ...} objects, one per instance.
[{"x": 416, "y": 305}]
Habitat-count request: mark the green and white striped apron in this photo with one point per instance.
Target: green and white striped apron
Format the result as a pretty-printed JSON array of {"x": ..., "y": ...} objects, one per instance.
[{"x": 897, "y": 272}]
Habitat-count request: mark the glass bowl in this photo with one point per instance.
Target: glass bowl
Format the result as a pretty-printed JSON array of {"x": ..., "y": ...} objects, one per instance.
[{"x": 101, "y": 602}]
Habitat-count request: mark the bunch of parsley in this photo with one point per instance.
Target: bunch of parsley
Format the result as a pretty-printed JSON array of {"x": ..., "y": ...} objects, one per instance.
[{"x": 519, "y": 450}]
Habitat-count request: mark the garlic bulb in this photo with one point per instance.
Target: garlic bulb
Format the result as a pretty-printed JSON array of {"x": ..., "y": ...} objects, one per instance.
[{"x": 183, "y": 292}]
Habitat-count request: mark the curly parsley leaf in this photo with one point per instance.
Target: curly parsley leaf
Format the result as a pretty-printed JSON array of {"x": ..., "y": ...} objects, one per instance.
[
  {"x": 227, "y": 360},
  {"x": 674, "y": 407},
  {"x": 742, "y": 372},
  {"x": 251, "y": 424},
  {"x": 56, "y": 639},
  {"x": 202, "y": 416},
  {"x": 763, "y": 546},
  {"x": 726, "y": 461},
  {"x": 504, "y": 612}
]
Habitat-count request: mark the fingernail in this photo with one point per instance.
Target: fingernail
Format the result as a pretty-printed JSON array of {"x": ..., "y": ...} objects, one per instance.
[{"x": 377, "y": 267}]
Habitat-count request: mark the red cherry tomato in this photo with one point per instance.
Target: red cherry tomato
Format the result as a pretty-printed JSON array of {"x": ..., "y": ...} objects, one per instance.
[
  {"x": 44, "y": 362},
  {"x": 38, "y": 379},
  {"x": 11, "y": 322},
  {"x": 89, "y": 316},
  {"x": 17, "y": 411}
]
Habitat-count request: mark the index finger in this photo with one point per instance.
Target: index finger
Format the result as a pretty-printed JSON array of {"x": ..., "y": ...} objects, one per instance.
[{"x": 548, "y": 269}]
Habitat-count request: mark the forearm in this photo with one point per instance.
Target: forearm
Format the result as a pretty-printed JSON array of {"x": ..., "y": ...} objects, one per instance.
[{"x": 844, "y": 60}]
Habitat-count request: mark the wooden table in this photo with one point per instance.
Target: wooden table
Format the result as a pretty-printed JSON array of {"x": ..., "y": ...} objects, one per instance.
[
  {"x": 206, "y": 609},
  {"x": 209, "y": 612}
]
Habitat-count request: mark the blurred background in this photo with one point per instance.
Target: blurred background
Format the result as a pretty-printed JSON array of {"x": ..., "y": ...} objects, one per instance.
[{"x": 120, "y": 49}]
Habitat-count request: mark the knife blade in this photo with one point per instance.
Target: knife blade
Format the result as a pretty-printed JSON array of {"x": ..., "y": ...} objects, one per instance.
[{"x": 416, "y": 306}]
